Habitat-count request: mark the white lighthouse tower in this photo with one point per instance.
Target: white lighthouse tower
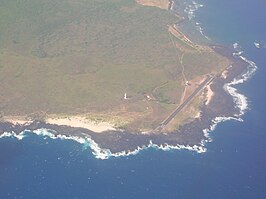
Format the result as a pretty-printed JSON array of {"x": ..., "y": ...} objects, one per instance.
[{"x": 125, "y": 96}]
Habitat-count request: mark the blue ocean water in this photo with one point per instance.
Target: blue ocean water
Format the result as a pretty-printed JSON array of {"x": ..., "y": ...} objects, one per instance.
[{"x": 233, "y": 167}]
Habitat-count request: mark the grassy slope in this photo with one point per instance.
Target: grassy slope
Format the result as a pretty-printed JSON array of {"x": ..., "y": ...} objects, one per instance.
[{"x": 68, "y": 57}]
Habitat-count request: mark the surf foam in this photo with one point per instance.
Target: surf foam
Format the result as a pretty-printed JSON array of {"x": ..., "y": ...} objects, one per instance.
[
  {"x": 239, "y": 99},
  {"x": 192, "y": 8},
  {"x": 97, "y": 151}
]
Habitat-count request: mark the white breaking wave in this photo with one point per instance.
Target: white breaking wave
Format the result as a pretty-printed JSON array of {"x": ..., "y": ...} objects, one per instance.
[
  {"x": 236, "y": 46},
  {"x": 259, "y": 44},
  {"x": 19, "y": 136},
  {"x": 239, "y": 99},
  {"x": 165, "y": 147},
  {"x": 200, "y": 29},
  {"x": 192, "y": 8},
  {"x": 238, "y": 53},
  {"x": 98, "y": 152}
]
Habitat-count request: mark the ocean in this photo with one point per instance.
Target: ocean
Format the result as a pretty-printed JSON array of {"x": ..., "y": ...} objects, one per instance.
[{"x": 234, "y": 166}]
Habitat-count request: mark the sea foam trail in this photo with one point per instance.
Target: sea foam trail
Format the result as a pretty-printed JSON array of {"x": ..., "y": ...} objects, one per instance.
[
  {"x": 200, "y": 29},
  {"x": 191, "y": 10},
  {"x": 98, "y": 152},
  {"x": 259, "y": 44},
  {"x": 239, "y": 99}
]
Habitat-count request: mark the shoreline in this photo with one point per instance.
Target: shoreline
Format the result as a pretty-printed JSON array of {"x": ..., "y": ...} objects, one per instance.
[
  {"x": 191, "y": 136},
  {"x": 81, "y": 122},
  {"x": 224, "y": 104}
]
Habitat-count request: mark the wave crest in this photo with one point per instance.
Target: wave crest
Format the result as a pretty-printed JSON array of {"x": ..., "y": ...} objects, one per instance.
[
  {"x": 97, "y": 151},
  {"x": 240, "y": 100}
]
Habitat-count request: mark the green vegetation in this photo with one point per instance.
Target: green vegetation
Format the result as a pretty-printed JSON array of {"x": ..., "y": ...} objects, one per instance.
[{"x": 76, "y": 57}]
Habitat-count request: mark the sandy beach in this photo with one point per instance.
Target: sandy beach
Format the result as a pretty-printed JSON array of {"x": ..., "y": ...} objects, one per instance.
[
  {"x": 209, "y": 94},
  {"x": 163, "y": 4},
  {"x": 81, "y": 122}
]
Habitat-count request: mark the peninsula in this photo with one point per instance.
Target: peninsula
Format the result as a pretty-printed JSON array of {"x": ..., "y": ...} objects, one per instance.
[{"x": 121, "y": 72}]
